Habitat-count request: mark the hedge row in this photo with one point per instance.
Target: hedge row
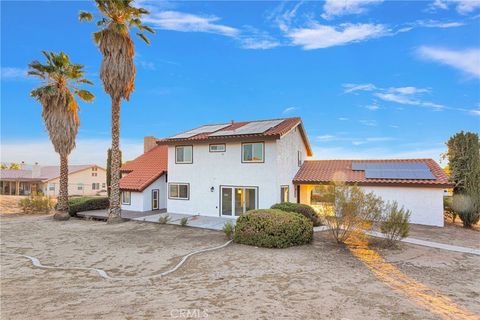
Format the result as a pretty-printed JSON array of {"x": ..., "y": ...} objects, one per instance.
[
  {"x": 87, "y": 204},
  {"x": 305, "y": 210},
  {"x": 273, "y": 228}
]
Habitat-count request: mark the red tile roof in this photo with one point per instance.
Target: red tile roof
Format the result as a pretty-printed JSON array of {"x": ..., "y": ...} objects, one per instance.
[
  {"x": 326, "y": 171},
  {"x": 145, "y": 169},
  {"x": 275, "y": 133}
]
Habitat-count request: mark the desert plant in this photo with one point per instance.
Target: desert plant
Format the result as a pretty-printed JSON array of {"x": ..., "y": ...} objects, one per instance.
[
  {"x": 464, "y": 206},
  {"x": 355, "y": 212},
  {"x": 305, "y": 210},
  {"x": 164, "y": 219},
  {"x": 86, "y": 204},
  {"x": 184, "y": 221},
  {"x": 117, "y": 71},
  {"x": 36, "y": 204},
  {"x": 395, "y": 222},
  {"x": 62, "y": 79},
  {"x": 228, "y": 229},
  {"x": 273, "y": 228},
  {"x": 447, "y": 209}
]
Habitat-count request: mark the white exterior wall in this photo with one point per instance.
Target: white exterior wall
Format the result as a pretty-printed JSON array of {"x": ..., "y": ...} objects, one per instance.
[
  {"x": 287, "y": 161},
  {"x": 426, "y": 204},
  {"x": 81, "y": 178},
  {"x": 215, "y": 169},
  {"x": 142, "y": 201}
]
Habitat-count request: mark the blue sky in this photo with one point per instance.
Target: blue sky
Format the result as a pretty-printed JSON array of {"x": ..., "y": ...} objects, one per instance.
[{"x": 370, "y": 78}]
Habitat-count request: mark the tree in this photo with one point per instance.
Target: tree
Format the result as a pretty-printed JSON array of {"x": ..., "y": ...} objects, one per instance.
[
  {"x": 117, "y": 71},
  {"x": 109, "y": 168},
  {"x": 464, "y": 162},
  {"x": 61, "y": 80},
  {"x": 14, "y": 166}
]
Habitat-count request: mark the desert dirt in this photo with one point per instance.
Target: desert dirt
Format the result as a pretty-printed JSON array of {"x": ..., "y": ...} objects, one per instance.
[
  {"x": 323, "y": 280},
  {"x": 10, "y": 204}
]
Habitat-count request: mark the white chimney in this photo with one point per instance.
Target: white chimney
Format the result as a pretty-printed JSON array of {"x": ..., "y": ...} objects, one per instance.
[{"x": 36, "y": 172}]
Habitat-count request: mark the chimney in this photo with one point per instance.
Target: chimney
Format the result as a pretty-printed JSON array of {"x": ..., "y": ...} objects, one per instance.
[
  {"x": 36, "y": 172},
  {"x": 149, "y": 142}
]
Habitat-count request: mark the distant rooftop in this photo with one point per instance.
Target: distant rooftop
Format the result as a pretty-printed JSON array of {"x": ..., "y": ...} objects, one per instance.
[{"x": 40, "y": 173}]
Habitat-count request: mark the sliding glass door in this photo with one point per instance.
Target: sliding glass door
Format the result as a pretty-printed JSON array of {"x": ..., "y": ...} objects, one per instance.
[{"x": 237, "y": 200}]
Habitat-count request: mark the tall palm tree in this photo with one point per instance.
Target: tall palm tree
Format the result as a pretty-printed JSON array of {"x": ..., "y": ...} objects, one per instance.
[
  {"x": 62, "y": 79},
  {"x": 117, "y": 71}
]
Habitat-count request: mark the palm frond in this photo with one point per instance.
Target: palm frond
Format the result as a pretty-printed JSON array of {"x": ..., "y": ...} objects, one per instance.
[
  {"x": 147, "y": 28},
  {"x": 143, "y": 37},
  {"x": 85, "y": 16},
  {"x": 85, "y": 81},
  {"x": 85, "y": 95}
]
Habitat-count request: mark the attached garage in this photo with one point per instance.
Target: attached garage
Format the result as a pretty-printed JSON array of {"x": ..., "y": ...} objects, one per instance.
[{"x": 416, "y": 184}]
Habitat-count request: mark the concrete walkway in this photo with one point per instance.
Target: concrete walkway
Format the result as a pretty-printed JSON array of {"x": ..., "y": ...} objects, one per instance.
[{"x": 204, "y": 222}]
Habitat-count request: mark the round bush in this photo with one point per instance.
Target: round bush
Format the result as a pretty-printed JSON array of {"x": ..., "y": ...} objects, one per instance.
[
  {"x": 305, "y": 210},
  {"x": 273, "y": 228}
]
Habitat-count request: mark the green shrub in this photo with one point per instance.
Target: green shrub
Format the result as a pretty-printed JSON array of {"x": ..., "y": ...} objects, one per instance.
[
  {"x": 36, "y": 204},
  {"x": 228, "y": 229},
  {"x": 464, "y": 206},
  {"x": 273, "y": 228},
  {"x": 395, "y": 223},
  {"x": 447, "y": 209},
  {"x": 164, "y": 219},
  {"x": 184, "y": 221},
  {"x": 305, "y": 210},
  {"x": 87, "y": 205}
]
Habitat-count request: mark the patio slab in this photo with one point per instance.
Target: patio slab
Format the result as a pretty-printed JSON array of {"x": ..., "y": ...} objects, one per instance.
[{"x": 196, "y": 221}]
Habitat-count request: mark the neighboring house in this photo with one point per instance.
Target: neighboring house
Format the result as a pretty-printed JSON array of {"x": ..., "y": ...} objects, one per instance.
[
  {"x": 82, "y": 180},
  {"x": 227, "y": 169}
]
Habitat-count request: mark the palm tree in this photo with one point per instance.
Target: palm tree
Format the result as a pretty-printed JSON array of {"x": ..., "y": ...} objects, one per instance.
[
  {"x": 60, "y": 111},
  {"x": 117, "y": 71}
]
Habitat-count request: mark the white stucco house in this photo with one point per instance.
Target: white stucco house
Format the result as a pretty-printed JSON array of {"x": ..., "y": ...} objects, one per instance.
[{"x": 227, "y": 169}]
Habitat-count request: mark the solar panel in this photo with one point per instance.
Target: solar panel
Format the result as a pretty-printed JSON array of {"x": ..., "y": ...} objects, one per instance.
[
  {"x": 202, "y": 129},
  {"x": 250, "y": 128},
  {"x": 394, "y": 170}
]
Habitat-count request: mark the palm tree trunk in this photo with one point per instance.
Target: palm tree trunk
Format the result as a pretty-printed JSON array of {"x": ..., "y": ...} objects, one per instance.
[
  {"x": 114, "y": 214},
  {"x": 62, "y": 203}
]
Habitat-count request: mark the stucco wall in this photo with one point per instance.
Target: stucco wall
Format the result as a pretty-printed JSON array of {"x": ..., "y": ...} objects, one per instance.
[
  {"x": 287, "y": 161},
  {"x": 142, "y": 201},
  {"x": 426, "y": 204},
  {"x": 84, "y": 178}
]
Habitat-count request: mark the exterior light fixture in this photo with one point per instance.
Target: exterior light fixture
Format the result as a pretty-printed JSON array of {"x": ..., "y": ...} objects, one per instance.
[{"x": 212, "y": 189}]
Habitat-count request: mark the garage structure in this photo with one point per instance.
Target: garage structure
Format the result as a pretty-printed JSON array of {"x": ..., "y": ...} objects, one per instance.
[{"x": 416, "y": 184}]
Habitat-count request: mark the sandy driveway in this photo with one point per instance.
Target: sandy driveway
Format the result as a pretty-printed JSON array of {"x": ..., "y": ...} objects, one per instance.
[{"x": 322, "y": 280}]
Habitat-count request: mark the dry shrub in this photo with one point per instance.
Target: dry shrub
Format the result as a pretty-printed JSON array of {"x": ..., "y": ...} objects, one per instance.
[{"x": 36, "y": 203}]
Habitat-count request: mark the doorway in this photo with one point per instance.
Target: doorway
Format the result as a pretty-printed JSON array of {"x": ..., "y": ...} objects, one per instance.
[{"x": 237, "y": 200}]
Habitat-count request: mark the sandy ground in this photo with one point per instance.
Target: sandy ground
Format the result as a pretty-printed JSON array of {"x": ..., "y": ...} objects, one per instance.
[
  {"x": 321, "y": 280},
  {"x": 453, "y": 234},
  {"x": 9, "y": 204}
]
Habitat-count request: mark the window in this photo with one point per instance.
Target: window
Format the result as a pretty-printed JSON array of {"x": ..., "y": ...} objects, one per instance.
[
  {"x": 217, "y": 147},
  {"x": 94, "y": 174},
  {"x": 300, "y": 158},
  {"x": 80, "y": 187},
  {"x": 184, "y": 154},
  {"x": 95, "y": 186},
  {"x": 126, "y": 197},
  {"x": 51, "y": 187},
  {"x": 103, "y": 185},
  {"x": 179, "y": 191},
  {"x": 322, "y": 195},
  {"x": 284, "y": 194},
  {"x": 252, "y": 152},
  {"x": 94, "y": 169}
]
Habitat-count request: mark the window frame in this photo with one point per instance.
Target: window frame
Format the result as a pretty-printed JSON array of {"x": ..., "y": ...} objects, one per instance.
[
  {"x": 281, "y": 193},
  {"x": 324, "y": 193},
  {"x": 217, "y": 144},
  {"x": 252, "y": 143},
  {"x": 129, "y": 197},
  {"x": 94, "y": 185},
  {"x": 183, "y": 146},
  {"x": 300, "y": 158},
  {"x": 178, "y": 184}
]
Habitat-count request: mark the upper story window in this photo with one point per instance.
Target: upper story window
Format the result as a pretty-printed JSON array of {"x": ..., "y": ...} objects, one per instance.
[
  {"x": 184, "y": 154},
  {"x": 94, "y": 169},
  {"x": 253, "y": 152},
  {"x": 217, "y": 147},
  {"x": 300, "y": 158},
  {"x": 94, "y": 174}
]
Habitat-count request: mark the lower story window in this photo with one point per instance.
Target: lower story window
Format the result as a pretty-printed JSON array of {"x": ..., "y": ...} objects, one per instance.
[
  {"x": 95, "y": 186},
  {"x": 80, "y": 187},
  {"x": 126, "y": 197},
  {"x": 323, "y": 194},
  {"x": 51, "y": 187},
  {"x": 179, "y": 191},
  {"x": 284, "y": 194}
]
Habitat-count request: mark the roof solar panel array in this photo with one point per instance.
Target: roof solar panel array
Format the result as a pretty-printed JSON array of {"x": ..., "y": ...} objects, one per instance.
[
  {"x": 203, "y": 129},
  {"x": 250, "y": 128},
  {"x": 394, "y": 170}
]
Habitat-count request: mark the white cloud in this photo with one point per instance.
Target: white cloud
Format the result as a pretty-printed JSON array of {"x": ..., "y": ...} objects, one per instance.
[
  {"x": 334, "y": 8},
  {"x": 462, "y": 6},
  {"x": 13, "y": 73},
  {"x": 318, "y": 36},
  {"x": 438, "y": 24},
  {"x": 408, "y": 90},
  {"x": 253, "y": 38},
  {"x": 187, "y": 22},
  {"x": 289, "y": 110},
  {"x": 343, "y": 119},
  {"x": 87, "y": 151},
  {"x": 352, "y": 87},
  {"x": 408, "y": 100},
  {"x": 325, "y": 137},
  {"x": 475, "y": 112},
  {"x": 467, "y": 60},
  {"x": 368, "y": 123},
  {"x": 372, "y": 107}
]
